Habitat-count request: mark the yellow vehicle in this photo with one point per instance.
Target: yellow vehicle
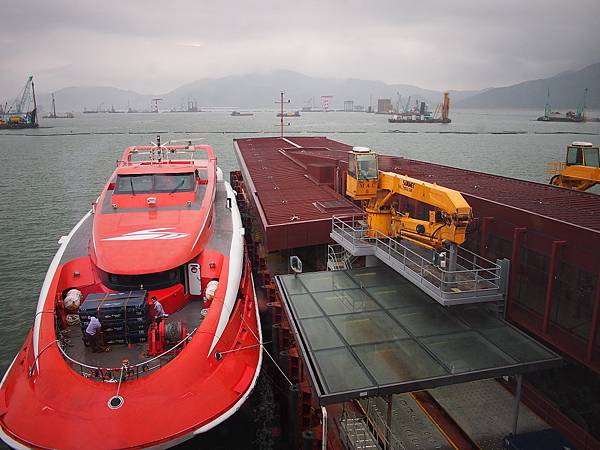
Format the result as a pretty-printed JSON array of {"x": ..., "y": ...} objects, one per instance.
[
  {"x": 580, "y": 171},
  {"x": 382, "y": 193}
]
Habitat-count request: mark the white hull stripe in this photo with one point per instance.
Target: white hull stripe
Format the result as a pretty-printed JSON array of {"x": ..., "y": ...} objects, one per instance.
[
  {"x": 46, "y": 287},
  {"x": 236, "y": 264}
]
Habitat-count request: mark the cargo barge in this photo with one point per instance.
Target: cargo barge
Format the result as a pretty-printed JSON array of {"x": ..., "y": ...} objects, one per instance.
[
  {"x": 569, "y": 116},
  {"x": 424, "y": 116},
  {"x": 23, "y": 112},
  {"x": 292, "y": 190}
]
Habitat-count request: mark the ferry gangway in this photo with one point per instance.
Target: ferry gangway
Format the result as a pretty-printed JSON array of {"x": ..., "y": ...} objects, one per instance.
[{"x": 474, "y": 279}]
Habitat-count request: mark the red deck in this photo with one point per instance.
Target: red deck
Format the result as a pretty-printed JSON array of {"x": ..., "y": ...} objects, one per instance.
[{"x": 295, "y": 201}]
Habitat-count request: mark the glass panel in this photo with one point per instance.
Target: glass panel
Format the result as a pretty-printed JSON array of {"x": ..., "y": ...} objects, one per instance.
[
  {"x": 305, "y": 306},
  {"x": 322, "y": 335},
  {"x": 477, "y": 317},
  {"x": 397, "y": 296},
  {"x": 344, "y": 302},
  {"x": 376, "y": 276},
  {"x": 327, "y": 281},
  {"x": 574, "y": 156},
  {"x": 340, "y": 370},
  {"x": 427, "y": 320},
  {"x": 352, "y": 165},
  {"x": 368, "y": 327},
  {"x": 464, "y": 352},
  {"x": 367, "y": 166},
  {"x": 591, "y": 157},
  {"x": 573, "y": 299},
  {"x": 516, "y": 345},
  {"x": 399, "y": 361},
  {"x": 293, "y": 284}
]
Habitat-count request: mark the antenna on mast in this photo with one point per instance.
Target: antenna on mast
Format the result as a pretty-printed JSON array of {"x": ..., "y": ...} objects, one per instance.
[{"x": 281, "y": 102}]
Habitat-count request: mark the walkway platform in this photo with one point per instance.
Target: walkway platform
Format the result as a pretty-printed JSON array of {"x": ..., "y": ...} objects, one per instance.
[
  {"x": 474, "y": 280},
  {"x": 370, "y": 332}
]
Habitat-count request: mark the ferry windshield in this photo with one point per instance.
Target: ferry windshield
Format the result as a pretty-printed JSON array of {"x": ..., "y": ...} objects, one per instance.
[
  {"x": 159, "y": 183},
  {"x": 159, "y": 280}
]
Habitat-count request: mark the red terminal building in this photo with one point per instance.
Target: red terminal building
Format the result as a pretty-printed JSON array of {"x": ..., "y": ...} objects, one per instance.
[{"x": 290, "y": 188}]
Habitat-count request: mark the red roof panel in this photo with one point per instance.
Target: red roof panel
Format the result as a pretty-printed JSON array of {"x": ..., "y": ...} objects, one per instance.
[{"x": 276, "y": 169}]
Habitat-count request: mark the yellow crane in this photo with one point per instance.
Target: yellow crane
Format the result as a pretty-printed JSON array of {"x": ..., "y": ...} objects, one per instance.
[
  {"x": 581, "y": 169},
  {"x": 448, "y": 218}
]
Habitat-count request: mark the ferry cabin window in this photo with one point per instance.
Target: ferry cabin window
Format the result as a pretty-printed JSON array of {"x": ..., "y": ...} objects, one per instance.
[
  {"x": 367, "y": 167},
  {"x": 159, "y": 183},
  {"x": 150, "y": 281},
  {"x": 591, "y": 157},
  {"x": 574, "y": 156}
]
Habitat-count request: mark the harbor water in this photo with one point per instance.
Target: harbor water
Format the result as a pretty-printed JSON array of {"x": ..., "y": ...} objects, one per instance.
[{"x": 50, "y": 176}]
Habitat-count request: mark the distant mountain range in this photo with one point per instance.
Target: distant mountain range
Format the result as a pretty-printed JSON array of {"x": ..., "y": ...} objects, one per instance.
[
  {"x": 261, "y": 90},
  {"x": 566, "y": 92}
]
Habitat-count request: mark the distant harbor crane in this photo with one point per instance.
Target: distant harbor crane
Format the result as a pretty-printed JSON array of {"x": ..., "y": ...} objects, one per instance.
[
  {"x": 23, "y": 112},
  {"x": 154, "y": 104}
]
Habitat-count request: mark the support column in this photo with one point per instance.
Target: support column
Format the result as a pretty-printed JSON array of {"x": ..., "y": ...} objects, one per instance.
[
  {"x": 595, "y": 319},
  {"x": 388, "y": 421},
  {"x": 293, "y": 415},
  {"x": 550, "y": 283},
  {"x": 514, "y": 267},
  {"x": 324, "y": 437},
  {"x": 485, "y": 232},
  {"x": 452, "y": 257},
  {"x": 517, "y": 403}
]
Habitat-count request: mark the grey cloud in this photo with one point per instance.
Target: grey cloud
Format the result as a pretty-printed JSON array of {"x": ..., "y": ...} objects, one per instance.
[{"x": 138, "y": 44}]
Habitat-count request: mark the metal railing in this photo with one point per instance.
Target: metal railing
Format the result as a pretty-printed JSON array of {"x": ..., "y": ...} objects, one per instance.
[
  {"x": 475, "y": 275},
  {"x": 381, "y": 428},
  {"x": 126, "y": 371},
  {"x": 338, "y": 258},
  {"x": 355, "y": 432},
  {"x": 368, "y": 429}
]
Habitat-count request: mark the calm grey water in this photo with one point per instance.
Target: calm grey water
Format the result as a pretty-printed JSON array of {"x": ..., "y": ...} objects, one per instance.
[{"x": 50, "y": 176}]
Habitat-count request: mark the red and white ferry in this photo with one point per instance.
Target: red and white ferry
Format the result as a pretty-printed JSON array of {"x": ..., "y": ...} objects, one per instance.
[{"x": 168, "y": 224}]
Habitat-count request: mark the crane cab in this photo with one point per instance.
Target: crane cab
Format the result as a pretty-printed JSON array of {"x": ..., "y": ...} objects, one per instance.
[
  {"x": 363, "y": 174},
  {"x": 582, "y": 154},
  {"x": 580, "y": 170}
]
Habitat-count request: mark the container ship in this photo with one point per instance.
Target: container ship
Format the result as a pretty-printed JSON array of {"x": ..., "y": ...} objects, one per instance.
[
  {"x": 146, "y": 332},
  {"x": 23, "y": 112}
]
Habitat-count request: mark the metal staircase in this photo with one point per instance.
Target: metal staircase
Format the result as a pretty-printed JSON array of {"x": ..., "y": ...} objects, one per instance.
[
  {"x": 474, "y": 279},
  {"x": 338, "y": 258},
  {"x": 356, "y": 434}
]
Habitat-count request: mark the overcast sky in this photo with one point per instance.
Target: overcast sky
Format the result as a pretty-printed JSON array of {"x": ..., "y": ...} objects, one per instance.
[{"x": 153, "y": 47}]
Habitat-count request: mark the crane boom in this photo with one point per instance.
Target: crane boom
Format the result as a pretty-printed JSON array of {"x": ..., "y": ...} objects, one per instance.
[
  {"x": 448, "y": 218},
  {"x": 22, "y": 105}
]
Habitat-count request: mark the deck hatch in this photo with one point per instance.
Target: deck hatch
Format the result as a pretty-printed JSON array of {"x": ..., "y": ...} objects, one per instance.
[{"x": 369, "y": 330}]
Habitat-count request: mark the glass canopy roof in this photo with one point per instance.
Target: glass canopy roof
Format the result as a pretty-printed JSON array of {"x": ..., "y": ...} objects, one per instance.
[{"x": 370, "y": 332}]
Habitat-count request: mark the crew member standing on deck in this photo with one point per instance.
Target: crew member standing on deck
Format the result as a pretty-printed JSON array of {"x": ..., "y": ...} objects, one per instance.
[
  {"x": 93, "y": 335},
  {"x": 159, "y": 312}
]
